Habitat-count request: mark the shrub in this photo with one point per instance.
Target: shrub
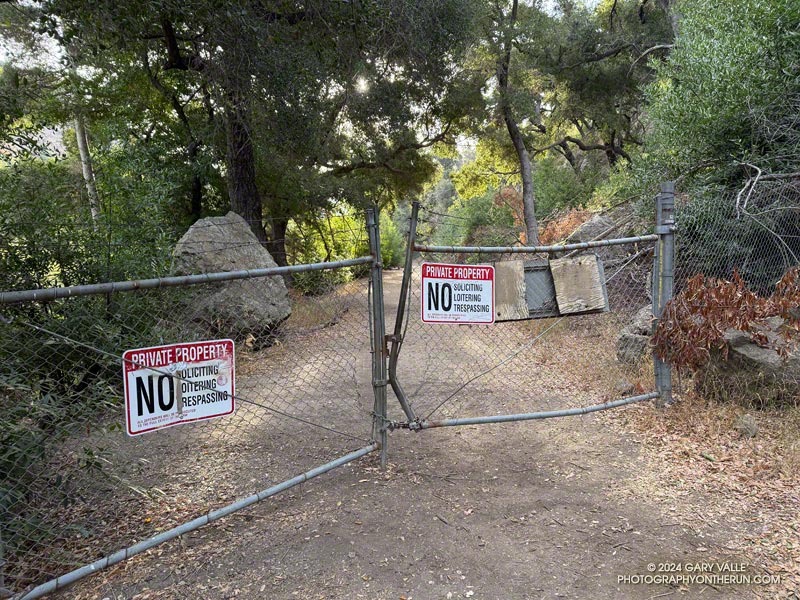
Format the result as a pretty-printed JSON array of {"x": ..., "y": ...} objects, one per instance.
[{"x": 693, "y": 324}]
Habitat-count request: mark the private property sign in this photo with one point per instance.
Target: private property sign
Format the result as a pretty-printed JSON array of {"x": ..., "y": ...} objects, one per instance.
[
  {"x": 457, "y": 293},
  {"x": 179, "y": 383}
]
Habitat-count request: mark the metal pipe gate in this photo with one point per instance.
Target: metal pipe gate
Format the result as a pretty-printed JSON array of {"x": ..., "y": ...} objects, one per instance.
[{"x": 662, "y": 276}]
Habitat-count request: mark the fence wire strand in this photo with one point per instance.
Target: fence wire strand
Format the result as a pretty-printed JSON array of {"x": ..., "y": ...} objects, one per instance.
[{"x": 178, "y": 378}]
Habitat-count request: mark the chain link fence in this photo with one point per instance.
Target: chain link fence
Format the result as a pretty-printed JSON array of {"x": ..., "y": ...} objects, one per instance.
[
  {"x": 543, "y": 364},
  {"x": 309, "y": 388},
  {"x": 732, "y": 331},
  {"x": 754, "y": 232},
  {"x": 74, "y": 487}
]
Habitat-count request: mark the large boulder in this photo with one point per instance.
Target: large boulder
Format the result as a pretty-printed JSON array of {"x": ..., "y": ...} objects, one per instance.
[
  {"x": 591, "y": 229},
  {"x": 633, "y": 341},
  {"x": 601, "y": 226},
  {"x": 245, "y": 309},
  {"x": 752, "y": 372}
]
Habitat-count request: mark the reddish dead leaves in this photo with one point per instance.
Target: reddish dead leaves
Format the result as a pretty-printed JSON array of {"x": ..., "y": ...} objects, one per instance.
[{"x": 695, "y": 321}]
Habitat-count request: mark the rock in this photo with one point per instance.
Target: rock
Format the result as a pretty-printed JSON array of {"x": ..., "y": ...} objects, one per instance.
[
  {"x": 634, "y": 340},
  {"x": 246, "y": 309},
  {"x": 746, "y": 426},
  {"x": 642, "y": 322},
  {"x": 744, "y": 352},
  {"x": 596, "y": 226},
  {"x": 624, "y": 388},
  {"x": 632, "y": 347},
  {"x": 752, "y": 373}
]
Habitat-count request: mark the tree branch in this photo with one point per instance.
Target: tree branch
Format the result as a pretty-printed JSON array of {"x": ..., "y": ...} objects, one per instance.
[
  {"x": 648, "y": 51},
  {"x": 611, "y": 15},
  {"x": 779, "y": 176},
  {"x": 561, "y": 146},
  {"x": 400, "y": 149},
  {"x": 597, "y": 57},
  {"x": 175, "y": 60},
  {"x": 290, "y": 18},
  {"x": 168, "y": 95}
]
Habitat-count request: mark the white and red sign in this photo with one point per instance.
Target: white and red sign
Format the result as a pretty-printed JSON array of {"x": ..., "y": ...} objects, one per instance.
[
  {"x": 179, "y": 383},
  {"x": 461, "y": 294}
]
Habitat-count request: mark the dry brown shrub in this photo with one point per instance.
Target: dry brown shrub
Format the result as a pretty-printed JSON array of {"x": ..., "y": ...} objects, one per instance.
[
  {"x": 694, "y": 323},
  {"x": 563, "y": 225},
  {"x": 556, "y": 228}
]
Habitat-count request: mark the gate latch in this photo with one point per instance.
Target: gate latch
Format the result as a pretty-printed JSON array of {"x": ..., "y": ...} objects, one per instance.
[{"x": 391, "y": 337}]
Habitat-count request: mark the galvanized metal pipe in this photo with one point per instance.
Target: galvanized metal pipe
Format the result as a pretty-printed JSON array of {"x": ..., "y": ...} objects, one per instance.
[
  {"x": 379, "y": 354},
  {"x": 663, "y": 279},
  {"x": 532, "y": 249},
  {"x": 112, "y": 559},
  {"x": 397, "y": 338},
  {"x": 536, "y": 415},
  {"x": 174, "y": 281}
]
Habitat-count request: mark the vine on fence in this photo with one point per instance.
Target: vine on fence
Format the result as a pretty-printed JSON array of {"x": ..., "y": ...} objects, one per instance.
[{"x": 694, "y": 323}]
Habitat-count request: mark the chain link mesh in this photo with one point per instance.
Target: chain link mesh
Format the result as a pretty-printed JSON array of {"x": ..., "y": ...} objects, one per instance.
[
  {"x": 74, "y": 486},
  {"x": 746, "y": 242},
  {"x": 522, "y": 366},
  {"x": 754, "y": 232}
]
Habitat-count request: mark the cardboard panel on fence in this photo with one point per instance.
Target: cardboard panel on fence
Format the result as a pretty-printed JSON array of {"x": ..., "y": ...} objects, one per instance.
[
  {"x": 580, "y": 284},
  {"x": 509, "y": 295},
  {"x": 538, "y": 289}
]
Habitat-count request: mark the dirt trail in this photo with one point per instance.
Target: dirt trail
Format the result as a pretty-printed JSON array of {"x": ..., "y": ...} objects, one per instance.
[{"x": 530, "y": 510}]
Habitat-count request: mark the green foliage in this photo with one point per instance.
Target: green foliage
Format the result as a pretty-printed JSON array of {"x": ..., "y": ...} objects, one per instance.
[
  {"x": 477, "y": 221},
  {"x": 48, "y": 387},
  {"x": 49, "y": 238},
  {"x": 717, "y": 242},
  {"x": 494, "y": 166},
  {"x": 559, "y": 187},
  {"x": 575, "y": 91},
  {"x": 393, "y": 246},
  {"x": 45, "y": 239},
  {"x": 330, "y": 236},
  {"x": 593, "y": 75},
  {"x": 729, "y": 81},
  {"x": 722, "y": 111}
]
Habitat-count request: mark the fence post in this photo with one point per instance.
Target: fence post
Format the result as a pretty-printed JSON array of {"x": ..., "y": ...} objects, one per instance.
[
  {"x": 379, "y": 352},
  {"x": 663, "y": 277}
]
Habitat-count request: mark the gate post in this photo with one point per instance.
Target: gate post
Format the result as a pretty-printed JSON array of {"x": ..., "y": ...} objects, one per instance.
[
  {"x": 397, "y": 337},
  {"x": 663, "y": 278},
  {"x": 379, "y": 352}
]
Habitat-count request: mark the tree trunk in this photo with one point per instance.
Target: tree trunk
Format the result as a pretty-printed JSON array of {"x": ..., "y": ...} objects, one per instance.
[
  {"x": 88, "y": 170},
  {"x": 197, "y": 198},
  {"x": 241, "y": 165},
  {"x": 569, "y": 155},
  {"x": 673, "y": 16},
  {"x": 611, "y": 153},
  {"x": 528, "y": 197},
  {"x": 277, "y": 245},
  {"x": 197, "y": 182}
]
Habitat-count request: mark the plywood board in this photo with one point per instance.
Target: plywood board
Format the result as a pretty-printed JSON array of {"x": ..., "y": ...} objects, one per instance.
[
  {"x": 580, "y": 284},
  {"x": 510, "y": 291}
]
